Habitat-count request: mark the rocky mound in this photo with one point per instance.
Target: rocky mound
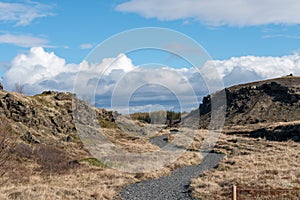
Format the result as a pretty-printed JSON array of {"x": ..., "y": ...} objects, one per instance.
[
  {"x": 43, "y": 116},
  {"x": 266, "y": 109},
  {"x": 269, "y": 101}
]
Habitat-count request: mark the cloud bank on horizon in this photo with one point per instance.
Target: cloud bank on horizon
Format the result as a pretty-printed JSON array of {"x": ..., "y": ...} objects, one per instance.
[
  {"x": 39, "y": 70},
  {"x": 218, "y": 12}
]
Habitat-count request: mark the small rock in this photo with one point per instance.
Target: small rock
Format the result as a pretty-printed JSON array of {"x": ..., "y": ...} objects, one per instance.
[
  {"x": 73, "y": 163},
  {"x": 69, "y": 138},
  {"x": 64, "y": 96},
  {"x": 28, "y": 137},
  {"x": 1, "y": 86}
]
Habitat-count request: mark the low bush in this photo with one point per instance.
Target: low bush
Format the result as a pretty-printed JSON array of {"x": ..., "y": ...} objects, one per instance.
[{"x": 52, "y": 159}]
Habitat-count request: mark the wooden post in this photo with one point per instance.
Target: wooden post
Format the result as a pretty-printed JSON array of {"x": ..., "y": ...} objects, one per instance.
[{"x": 233, "y": 192}]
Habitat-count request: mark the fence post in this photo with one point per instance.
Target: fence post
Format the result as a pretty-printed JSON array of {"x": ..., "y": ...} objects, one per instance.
[{"x": 233, "y": 192}]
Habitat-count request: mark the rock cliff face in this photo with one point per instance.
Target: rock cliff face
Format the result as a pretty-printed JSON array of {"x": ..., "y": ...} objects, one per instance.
[
  {"x": 275, "y": 100},
  {"x": 270, "y": 109}
]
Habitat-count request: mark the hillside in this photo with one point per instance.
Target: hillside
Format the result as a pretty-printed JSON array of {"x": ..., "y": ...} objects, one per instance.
[
  {"x": 269, "y": 101},
  {"x": 43, "y": 154},
  {"x": 260, "y": 142}
]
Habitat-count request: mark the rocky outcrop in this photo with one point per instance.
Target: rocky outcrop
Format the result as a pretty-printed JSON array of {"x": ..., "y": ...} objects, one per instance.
[
  {"x": 279, "y": 133},
  {"x": 276, "y": 100},
  {"x": 47, "y": 114}
]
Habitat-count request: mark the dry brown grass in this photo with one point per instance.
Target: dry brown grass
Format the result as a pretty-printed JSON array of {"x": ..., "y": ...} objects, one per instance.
[
  {"x": 251, "y": 163},
  {"x": 83, "y": 183},
  {"x": 42, "y": 170},
  {"x": 7, "y": 143}
]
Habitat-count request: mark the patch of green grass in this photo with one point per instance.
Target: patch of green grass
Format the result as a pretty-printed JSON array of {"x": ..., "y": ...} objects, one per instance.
[
  {"x": 95, "y": 162},
  {"x": 107, "y": 124},
  {"x": 75, "y": 136}
]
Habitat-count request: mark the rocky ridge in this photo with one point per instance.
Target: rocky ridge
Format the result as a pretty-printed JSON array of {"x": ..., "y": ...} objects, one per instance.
[{"x": 263, "y": 105}]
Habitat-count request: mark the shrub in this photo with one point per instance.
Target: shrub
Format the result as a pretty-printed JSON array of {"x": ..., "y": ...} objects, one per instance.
[
  {"x": 52, "y": 159},
  {"x": 23, "y": 150}
]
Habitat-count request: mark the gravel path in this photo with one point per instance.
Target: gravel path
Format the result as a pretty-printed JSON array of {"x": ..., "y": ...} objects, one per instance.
[{"x": 173, "y": 187}]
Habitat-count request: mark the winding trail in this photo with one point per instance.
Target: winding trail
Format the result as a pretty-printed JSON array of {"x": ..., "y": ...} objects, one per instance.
[{"x": 172, "y": 187}]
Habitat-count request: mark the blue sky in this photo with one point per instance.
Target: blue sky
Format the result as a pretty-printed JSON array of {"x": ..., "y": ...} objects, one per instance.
[
  {"x": 238, "y": 35},
  {"x": 69, "y": 24}
]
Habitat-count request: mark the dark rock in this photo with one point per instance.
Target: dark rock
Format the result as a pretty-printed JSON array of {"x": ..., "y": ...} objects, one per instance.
[
  {"x": 69, "y": 138},
  {"x": 278, "y": 133},
  {"x": 48, "y": 92},
  {"x": 28, "y": 137},
  {"x": 1, "y": 86},
  {"x": 73, "y": 163},
  {"x": 64, "y": 96}
]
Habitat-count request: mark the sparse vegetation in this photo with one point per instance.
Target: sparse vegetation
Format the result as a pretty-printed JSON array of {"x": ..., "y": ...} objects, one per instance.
[
  {"x": 95, "y": 162},
  {"x": 7, "y": 143},
  {"x": 107, "y": 124},
  {"x": 251, "y": 163},
  {"x": 24, "y": 151},
  {"x": 52, "y": 159}
]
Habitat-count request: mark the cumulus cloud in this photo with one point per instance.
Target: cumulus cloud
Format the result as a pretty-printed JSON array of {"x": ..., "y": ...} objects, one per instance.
[
  {"x": 249, "y": 68},
  {"x": 35, "y": 68},
  {"x": 40, "y": 70},
  {"x": 218, "y": 12},
  {"x": 22, "y": 40},
  {"x": 23, "y": 13},
  {"x": 117, "y": 82}
]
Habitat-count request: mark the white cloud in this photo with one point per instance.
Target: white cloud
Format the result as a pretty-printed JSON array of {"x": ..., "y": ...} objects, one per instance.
[
  {"x": 23, "y": 40},
  {"x": 218, "y": 12},
  {"x": 249, "y": 68},
  {"x": 23, "y": 13},
  {"x": 296, "y": 37},
  {"x": 40, "y": 70},
  {"x": 86, "y": 46},
  {"x": 117, "y": 80},
  {"x": 35, "y": 67}
]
